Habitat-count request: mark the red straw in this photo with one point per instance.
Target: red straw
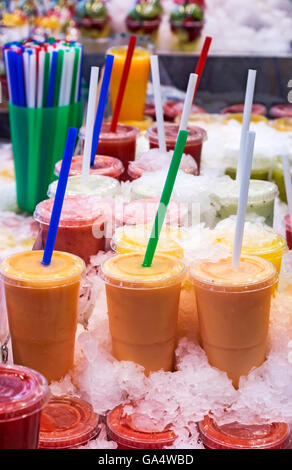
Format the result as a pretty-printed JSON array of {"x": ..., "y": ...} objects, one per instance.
[
  {"x": 202, "y": 61},
  {"x": 123, "y": 83}
]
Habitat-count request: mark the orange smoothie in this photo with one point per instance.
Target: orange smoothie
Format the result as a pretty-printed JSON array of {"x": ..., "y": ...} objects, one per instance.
[
  {"x": 134, "y": 98},
  {"x": 42, "y": 303},
  {"x": 143, "y": 308},
  {"x": 233, "y": 310}
]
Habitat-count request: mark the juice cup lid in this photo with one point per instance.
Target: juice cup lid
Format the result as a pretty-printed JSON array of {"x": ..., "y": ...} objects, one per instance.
[
  {"x": 122, "y": 430},
  {"x": 238, "y": 108},
  {"x": 103, "y": 165},
  {"x": 141, "y": 211},
  {"x": 66, "y": 422},
  {"x": 196, "y": 135},
  {"x": 242, "y": 436},
  {"x": 123, "y": 132},
  {"x": 23, "y": 392},
  {"x": 98, "y": 185},
  {"x": 281, "y": 110},
  {"x": 76, "y": 211}
]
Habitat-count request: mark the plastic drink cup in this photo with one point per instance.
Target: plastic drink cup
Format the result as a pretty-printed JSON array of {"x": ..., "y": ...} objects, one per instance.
[
  {"x": 172, "y": 109},
  {"x": 281, "y": 110},
  {"x": 24, "y": 392},
  {"x": 102, "y": 186},
  {"x": 134, "y": 239},
  {"x": 194, "y": 142},
  {"x": 103, "y": 165},
  {"x": 278, "y": 178},
  {"x": 233, "y": 309},
  {"x": 143, "y": 308},
  {"x": 81, "y": 227},
  {"x": 120, "y": 144},
  {"x": 134, "y": 98},
  {"x": 143, "y": 211},
  {"x": 67, "y": 422},
  {"x": 122, "y": 428},
  {"x": 258, "y": 109},
  {"x": 288, "y": 231},
  {"x": 261, "y": 200},
  {"x": 154, "y": 160},
  {"x": 261, "y": 169},
  {"x": 42, "y": 304},
  {"x": 243, "y": 436},
  {"x": 255, "y": 118},
  {"x": 282, "y": 124}
]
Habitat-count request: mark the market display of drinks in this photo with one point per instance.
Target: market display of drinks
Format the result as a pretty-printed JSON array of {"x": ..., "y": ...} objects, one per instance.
[{"x": 145, "y": 257}]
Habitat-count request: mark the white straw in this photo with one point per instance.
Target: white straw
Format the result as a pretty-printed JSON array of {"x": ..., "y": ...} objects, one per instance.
[
  {"x": 246, "y": 119},
  {"x": 40, "y": 79},
  {"x": 90, "y": 118},
  {"x": 32, "y": 81},
  {"x": 78, "y": 77},
  {"x": 70, "y": 64},
  {"x": 158, "y": 102},
  {"x": 288, "y": 185},
  {"x": 7, "y": 73},
  {"x": 188, "y": 102},
  {"x": 243, "y": 197},
  {"x": 63, "y": 87}
]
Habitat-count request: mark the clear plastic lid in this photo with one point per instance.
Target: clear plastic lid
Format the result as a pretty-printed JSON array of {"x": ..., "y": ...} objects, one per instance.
[
  {"x": 67, "y": 421},
  {"x": 102, "y": 186},
  {"x": 155, "y": 160},
  {"x": 23, "y": 392},
  {"x": 143, "y": 211},
  {"x": 76, "y": 211},
  {"x": 123, "y": 132},
  {"x": 196, "y": 135},
  {"x": 259, "y": 109},
  {"x": 242, "y": 436},
  {"x": 281, "y": 110},
  {"x": 122, "y": 430},
  {"x": 103, "y": 165},
  {"x": 227, "y": 192}
]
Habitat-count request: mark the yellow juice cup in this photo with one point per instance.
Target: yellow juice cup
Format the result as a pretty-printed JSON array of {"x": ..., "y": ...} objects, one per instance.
[
  {"x": 134, "y": 98},
  {"x": 282, "y": 124},
  {"x": 255, "y": 118}
]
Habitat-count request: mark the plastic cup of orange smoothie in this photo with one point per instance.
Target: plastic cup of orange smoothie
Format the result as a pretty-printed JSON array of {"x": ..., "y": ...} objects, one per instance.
[
  {"x": 143, "y": 308},
  {"x": 42, "y": 303},
  {"x": 233, "y": 310}
]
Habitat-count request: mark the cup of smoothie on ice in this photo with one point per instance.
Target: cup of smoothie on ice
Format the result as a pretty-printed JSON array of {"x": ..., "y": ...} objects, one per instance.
[
  {"x": 103, "y": 165},
  {"x": 101, "y": 186}
]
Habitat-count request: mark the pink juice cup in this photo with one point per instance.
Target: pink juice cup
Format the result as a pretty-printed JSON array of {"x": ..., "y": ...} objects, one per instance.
[
  {"x": 103, "y": 165},
  {"x": 281, "y": 110},
  {"x": 258, "y": 109},
  {"x": 81, "y": 227},
  {"x": 194, "y": 143},
  {"x": 288, "y": 231},
  {"x": 23, "y": 394},
  {"x": 172, "y": 109}
]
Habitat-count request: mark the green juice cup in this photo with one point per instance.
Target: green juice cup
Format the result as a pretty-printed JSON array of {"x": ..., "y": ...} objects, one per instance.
[{"x": 38, "y": 139}]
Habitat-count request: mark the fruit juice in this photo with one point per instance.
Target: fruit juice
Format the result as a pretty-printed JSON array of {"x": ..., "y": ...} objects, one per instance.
[
  {"x": 143, "y": 308},
  {"x": 282, "y": 124},
  {"x": 257, "y": 109},
  {"x": 103, "y": 165},
  {"x": 24, "y": 392},
  {"x": 155, "y": 160},
  {"x": 278, "y": 178},
  {"x": 281, "y": 110},
  {"x": 141, "y": 125},
  {"x": 143, "y": 211},
  {"x": 255, "y": 118},
  {"x": 134, "y": 239},
  {"x": 234, "y": 309},
  {"x": 120, "y": 144},
  {"x": 258, "y": 240},
  {"x": 194, "y": 143},
  {"x": 261, "y": 168},
  {"x": 82, "y": 220},
  {"x": 288, "y": 231},
  {"x": 102, "y": 186},
  {"x": 243, "y": 436},
  {"x": 67, "y": 422},
  {"x": 123, "y": 429},
  {"x": 172, "y": 109},
  {"x": 134, "y": 98},
  {"x": 42, "y": 304},
  {"x": 261, "y": 200}
]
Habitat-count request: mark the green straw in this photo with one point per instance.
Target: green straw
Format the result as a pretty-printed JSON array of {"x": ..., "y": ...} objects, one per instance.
[
  {"x": 165, "y": 198},
  {"x": 58, "y": 77},
  {"x": 75, "y": 73},
  {"x": 46, "y": 78}
]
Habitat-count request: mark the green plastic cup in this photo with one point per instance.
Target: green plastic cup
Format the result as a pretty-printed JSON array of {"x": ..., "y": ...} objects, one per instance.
[{"x": 38, "y": 139}]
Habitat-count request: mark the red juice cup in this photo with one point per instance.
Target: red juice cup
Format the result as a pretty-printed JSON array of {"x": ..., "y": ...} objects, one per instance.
[
  {"x": 67, "y": 422},
  {"x": 172, "y": 109},
  {"x": 288, "y": 231},
  {"x": 122, "y": 429},
  {"x": 258, "y": 109},
  {"x": 281, "y": 110},
  {"x": 24, "y": 392},
  {"x": 243, "y": 436},
  {"x": 81, "y": 227},
  {"x": 194, "y": 142},
  {"x": 103, "y": 165},
  {"x": 120, "y": 144}
]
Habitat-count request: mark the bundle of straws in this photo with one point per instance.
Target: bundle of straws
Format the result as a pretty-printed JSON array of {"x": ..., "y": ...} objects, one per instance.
[{"x": 43, "y": 74}]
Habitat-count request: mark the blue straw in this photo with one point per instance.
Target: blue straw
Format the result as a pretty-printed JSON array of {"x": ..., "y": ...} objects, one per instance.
[
  {"x": 13, "y": 78},
  {"x": 101, "y": 105},
  {"x": 60, "y": 194},
  {"x": 52, "y": 79},
  {"x": 20, "y": 80},
  {"x": 80, "y": 72}
]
